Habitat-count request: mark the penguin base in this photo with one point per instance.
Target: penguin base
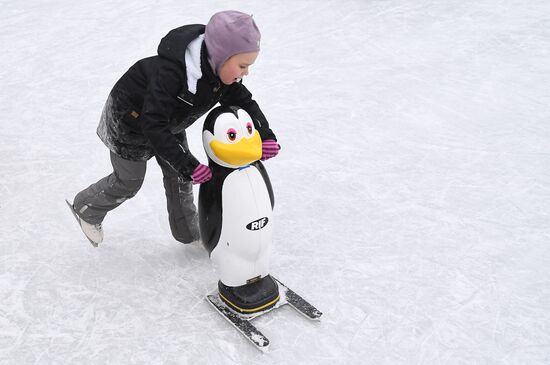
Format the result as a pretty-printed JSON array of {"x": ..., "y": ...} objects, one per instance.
[{"x": 250, "y": 298}]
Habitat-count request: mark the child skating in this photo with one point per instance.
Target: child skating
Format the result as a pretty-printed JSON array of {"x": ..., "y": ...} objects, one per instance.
[{"x": 152, "y": 104}]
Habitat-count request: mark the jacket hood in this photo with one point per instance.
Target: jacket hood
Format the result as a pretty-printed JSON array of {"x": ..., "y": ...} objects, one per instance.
[{"x": 174, "y": 44}]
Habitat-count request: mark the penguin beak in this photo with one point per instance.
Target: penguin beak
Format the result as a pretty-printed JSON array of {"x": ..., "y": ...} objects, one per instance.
[{"x": 242, "y": 153}]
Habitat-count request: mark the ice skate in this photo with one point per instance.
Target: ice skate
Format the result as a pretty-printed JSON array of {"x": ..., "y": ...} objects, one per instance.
[{"x": 93, "y": 232}]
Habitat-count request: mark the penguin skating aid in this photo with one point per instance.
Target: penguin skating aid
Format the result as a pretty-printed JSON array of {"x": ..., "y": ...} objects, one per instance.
[{"x": 236, "y": 221}]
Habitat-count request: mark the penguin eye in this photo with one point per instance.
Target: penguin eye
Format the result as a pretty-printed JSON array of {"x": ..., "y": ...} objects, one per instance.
[
  {"x": 231, "y": 134},
  {"x": 249, "y": 127}
]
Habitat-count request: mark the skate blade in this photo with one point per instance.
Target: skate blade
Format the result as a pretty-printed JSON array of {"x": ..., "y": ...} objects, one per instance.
[
  {"x": 243, "y": 325},
  {"x": 298, "y": 303},
  {"x": 241, "y": 321}
]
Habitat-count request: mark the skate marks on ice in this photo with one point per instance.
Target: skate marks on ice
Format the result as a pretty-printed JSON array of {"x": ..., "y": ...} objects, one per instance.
[{"x": 242, "y": 321}]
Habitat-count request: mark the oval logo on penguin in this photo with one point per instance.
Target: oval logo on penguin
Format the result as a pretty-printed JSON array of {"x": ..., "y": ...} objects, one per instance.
[{"x": 257, "y": 224}]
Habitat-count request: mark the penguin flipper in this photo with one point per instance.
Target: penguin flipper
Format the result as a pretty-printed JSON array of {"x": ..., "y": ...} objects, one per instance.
[
  {"x": 210, "y": 213},
  {"x": 261, "y": 168}
]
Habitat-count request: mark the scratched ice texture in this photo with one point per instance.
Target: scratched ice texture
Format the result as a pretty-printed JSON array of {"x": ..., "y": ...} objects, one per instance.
[{"x": 412, "y": 188}]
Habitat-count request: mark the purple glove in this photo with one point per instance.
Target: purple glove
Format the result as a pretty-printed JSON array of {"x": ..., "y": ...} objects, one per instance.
[
  {"x": 270, "y": 148},
  {"x": 201, "y": 174}
]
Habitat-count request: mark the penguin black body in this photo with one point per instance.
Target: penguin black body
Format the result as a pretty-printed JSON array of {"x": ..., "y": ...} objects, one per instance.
[{"x": 236, "y": 211}]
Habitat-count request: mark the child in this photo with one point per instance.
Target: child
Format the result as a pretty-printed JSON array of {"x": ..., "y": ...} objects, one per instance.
[{"x": 152, "y": 104}]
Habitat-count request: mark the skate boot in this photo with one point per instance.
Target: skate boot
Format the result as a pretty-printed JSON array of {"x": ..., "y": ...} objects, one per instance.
[
  {"x": 93, "y": 232},
  {"x": 257, "y": 296}
]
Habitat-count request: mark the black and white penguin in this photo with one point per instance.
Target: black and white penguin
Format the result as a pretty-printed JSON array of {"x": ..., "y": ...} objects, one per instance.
[{"x": 236, "y": 211}]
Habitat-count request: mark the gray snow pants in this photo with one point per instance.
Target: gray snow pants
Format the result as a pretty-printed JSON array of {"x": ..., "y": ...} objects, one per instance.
[{"x": 93, "y": 203}]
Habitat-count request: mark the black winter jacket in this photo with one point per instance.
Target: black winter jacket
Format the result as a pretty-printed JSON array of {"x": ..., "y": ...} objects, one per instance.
[{"x": 150, "y": 106}]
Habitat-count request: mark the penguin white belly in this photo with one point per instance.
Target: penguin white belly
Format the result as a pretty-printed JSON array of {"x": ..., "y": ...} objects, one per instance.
[{"x": 242, "y": 253}]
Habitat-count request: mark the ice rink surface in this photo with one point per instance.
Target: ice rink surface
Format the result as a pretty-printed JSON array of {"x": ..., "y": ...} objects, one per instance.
[{"x": 412, "y": 189}]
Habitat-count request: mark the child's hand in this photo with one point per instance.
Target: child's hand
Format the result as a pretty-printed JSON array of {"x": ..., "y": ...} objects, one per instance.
[
  {"x": 270, "y": 148},
  {"x": 201, "y": 174}
]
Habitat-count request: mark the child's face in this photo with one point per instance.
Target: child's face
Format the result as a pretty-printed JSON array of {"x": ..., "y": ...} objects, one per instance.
[{"x": 236, "y": 67}]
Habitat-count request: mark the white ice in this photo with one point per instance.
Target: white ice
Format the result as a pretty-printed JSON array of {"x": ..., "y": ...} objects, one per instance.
[{"x": 412, "y": 188}]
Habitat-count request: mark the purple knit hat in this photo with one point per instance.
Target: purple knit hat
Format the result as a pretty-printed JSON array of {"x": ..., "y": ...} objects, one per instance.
[{"x": 229, "y": 33}]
